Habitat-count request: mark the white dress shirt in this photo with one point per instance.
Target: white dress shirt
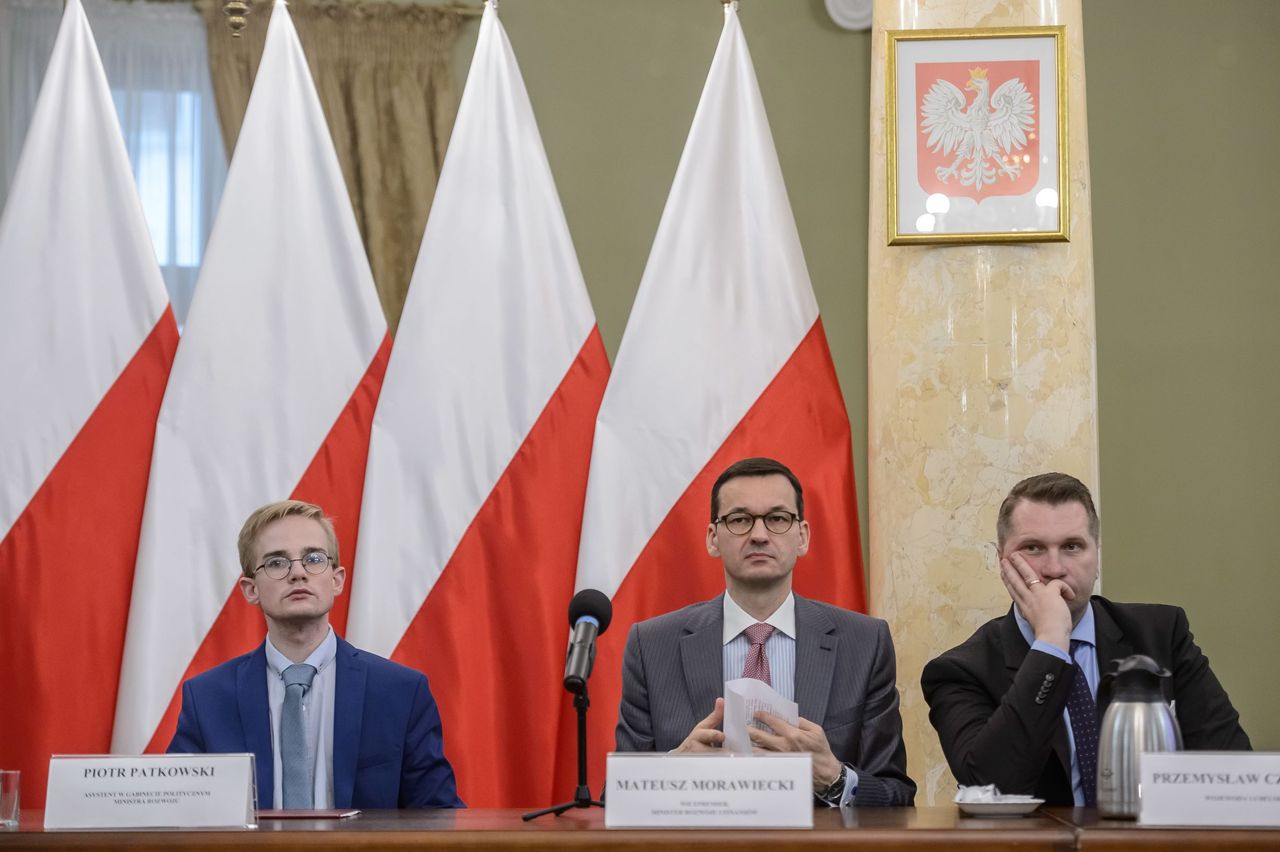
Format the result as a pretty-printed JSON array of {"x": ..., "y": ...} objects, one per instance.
[
  {"x": 317, "y": 713},
  {"x": 780, "y": 649}
]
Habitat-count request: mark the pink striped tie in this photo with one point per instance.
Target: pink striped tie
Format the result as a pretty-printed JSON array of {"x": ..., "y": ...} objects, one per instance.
[{"x": 757, "y": 663}]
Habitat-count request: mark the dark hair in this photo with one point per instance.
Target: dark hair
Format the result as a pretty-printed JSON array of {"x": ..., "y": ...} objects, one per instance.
[
  {"x": 756, "y": 467},
  {"x": 1052, "y": 488}
]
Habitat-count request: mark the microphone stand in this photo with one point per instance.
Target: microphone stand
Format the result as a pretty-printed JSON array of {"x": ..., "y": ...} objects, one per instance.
[{"x": 582, "y": 795}]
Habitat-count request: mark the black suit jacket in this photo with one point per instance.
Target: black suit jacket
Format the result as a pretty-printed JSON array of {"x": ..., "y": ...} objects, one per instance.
[
  {"x": 999, "y": 714},
  {"x": 673, "y": 672}
]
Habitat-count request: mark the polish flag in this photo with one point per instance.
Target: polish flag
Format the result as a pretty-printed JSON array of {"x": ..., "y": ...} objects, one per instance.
[
  {"x": 724, "y": 357},
  {"x": 271, "y": 396},
  {"x": 481, "y": 442},
  {"x": 86, "y": 341}
]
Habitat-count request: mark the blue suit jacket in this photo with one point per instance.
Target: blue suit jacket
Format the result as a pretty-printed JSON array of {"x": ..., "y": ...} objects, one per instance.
[{"x": 387, "y": 745}]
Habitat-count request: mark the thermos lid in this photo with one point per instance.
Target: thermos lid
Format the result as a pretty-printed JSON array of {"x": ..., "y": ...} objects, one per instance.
[{"x": 1138, "y": 678}]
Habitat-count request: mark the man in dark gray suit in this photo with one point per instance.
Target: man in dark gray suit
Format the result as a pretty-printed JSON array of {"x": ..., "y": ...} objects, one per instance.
[{"x": 836, "y": 664}]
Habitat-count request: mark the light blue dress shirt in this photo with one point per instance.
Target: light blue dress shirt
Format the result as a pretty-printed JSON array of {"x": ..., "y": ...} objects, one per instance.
[
  {"x": 317, "y": 713},
  {"x": 1086, "y": 655}
]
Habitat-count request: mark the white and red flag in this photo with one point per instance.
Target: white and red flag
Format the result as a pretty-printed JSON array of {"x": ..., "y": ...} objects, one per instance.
[
  {"x": 271, "y": 395},
  {"x": 481, "y": 442},
  {"x": 724, "y": 357},
  {"x": 86, "y": 341}
]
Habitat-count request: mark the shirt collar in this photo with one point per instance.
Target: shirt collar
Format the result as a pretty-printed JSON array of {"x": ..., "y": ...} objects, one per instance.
[
  {"x": 1086, "y": 631},
  {"x": 737, "y": 620},
  {"x": 321, "y": 657}
]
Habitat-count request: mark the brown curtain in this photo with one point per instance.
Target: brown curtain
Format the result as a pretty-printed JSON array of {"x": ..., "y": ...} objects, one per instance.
[{"x": 382, "y": 71}]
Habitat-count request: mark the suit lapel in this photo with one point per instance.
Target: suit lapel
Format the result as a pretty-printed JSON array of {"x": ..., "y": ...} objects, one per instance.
[
  {"x": 816, "y": 647},
  {"x": 348, "y": 718},
  {"x": 1015, "y": 651},
  {"x": 1112, "y": 644},
  {"x": 255, "y": 721},
  {"x": 702, "y": 655}
]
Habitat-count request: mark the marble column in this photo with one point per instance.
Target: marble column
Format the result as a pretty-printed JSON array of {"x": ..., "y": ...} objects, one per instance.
[{"x": 982, "y": 370}]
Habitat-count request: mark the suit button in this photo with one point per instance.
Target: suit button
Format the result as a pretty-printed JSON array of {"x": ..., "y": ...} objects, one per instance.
[{"x": 1050, "y": 677}]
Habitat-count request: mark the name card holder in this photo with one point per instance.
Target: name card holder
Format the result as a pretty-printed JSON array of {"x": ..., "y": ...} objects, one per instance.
[
  {"x": 1210, "y": 788},
  {"x": 714, "y": 790},
  {"x": 111, "y": 792}
]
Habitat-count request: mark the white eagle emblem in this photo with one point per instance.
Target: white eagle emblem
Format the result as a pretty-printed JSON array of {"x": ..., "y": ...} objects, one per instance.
[{"x": 981, "y": 135}]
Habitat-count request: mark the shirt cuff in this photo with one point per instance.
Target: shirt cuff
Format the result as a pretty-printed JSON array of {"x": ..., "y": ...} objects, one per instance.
[
  {"x": 1052, "y": 650},
  {"x": 850, "y": 790}
]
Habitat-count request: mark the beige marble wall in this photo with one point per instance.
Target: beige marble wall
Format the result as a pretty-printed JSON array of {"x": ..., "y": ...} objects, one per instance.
[{"x": 982, "y": 370}]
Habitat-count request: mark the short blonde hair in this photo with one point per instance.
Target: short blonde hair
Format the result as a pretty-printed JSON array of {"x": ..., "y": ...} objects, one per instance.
[{"x": 272, "y": 512}]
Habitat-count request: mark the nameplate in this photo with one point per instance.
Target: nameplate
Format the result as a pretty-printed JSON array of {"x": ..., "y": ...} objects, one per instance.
[
  {"x": 713, "y": 790},
  {"x": 1210, "y": 788},
  {"x": 150, "y": 791}
]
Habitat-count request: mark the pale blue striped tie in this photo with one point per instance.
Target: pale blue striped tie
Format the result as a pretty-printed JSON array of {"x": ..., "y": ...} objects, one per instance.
[{"x": 297, "y": 785}]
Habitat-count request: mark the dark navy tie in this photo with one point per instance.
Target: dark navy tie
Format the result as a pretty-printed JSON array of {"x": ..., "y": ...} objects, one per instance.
[{"x": 1082, "y": 709}]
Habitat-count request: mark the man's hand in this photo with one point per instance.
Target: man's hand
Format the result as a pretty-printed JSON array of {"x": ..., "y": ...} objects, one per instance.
[
  {"x": 704, "y": 736},
  {"x": 805, "y": 736},
  {"x": 1043, "y": 605}
]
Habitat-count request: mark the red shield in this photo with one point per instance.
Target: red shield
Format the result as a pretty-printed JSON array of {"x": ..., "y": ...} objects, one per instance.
[{"x": 1027, "y": 157}]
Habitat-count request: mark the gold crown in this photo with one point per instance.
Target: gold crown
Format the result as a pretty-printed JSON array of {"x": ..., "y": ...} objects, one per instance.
[{"x": 977, "y": 73}]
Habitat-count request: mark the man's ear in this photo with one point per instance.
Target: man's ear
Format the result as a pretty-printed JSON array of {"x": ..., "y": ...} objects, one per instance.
[
  {"x": 712, "y": 547},
  {"x": 249, "y": 588},
  {"x": 339, "y": 580}
]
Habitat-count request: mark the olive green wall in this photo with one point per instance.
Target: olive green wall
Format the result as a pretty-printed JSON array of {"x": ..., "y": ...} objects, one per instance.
[
  {"x": 1184, "y": 124},
  {"x": 1184, "y": 117}
]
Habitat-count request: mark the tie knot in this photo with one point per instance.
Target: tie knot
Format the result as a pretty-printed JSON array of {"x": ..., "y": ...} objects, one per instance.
[
  {"x": 758, "y": 634},
  {"x": 299, "y": 674},
  {"x": 1077, "y": 644}
]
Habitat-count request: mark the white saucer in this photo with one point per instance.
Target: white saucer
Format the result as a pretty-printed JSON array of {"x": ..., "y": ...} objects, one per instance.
[{"x": 1004, "y": 806}]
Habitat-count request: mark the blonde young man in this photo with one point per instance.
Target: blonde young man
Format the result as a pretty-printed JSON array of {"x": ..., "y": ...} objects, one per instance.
[
  {"x": 836, "y": 664},
  {"x": 331, "y": 726},
  {"x": 1016, "y": 704}
]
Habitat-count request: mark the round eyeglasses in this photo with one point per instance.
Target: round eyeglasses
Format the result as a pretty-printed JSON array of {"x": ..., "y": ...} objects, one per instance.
[
  {"x": 741, "y": 523},
  {"x": 278, "y": 567}
]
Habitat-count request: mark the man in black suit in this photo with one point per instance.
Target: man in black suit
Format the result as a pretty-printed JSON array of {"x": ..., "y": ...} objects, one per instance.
[
  {"x": 1002, "y": 702},
  {"x": 836, "y": 664}
]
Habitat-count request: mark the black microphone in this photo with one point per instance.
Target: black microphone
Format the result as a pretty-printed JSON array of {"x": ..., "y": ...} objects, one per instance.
[{"x": 589, "y": 614}]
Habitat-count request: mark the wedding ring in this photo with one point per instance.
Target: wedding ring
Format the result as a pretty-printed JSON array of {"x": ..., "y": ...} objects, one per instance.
[{"x": 1032, "y": 582}]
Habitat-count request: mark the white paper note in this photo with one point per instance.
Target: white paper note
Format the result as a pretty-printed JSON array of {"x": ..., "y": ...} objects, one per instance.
[{"x": 742, "y": 698}]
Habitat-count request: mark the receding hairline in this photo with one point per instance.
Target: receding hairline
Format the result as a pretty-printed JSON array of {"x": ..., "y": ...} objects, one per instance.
[{"x": 1048, "y": 489}]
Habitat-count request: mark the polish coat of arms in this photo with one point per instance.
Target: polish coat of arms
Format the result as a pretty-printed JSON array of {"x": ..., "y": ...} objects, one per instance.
[{"x": 978, "y": 128}]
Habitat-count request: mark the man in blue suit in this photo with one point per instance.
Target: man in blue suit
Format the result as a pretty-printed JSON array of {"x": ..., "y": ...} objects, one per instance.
[{"x": 331, "y": 726}]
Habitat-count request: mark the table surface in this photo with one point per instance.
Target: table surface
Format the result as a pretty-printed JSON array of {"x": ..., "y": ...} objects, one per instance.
[{"x": 878, "y": 828}]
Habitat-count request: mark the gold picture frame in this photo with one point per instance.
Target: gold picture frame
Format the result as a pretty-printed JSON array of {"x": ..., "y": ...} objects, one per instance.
[{"x": 991, "y": 168}]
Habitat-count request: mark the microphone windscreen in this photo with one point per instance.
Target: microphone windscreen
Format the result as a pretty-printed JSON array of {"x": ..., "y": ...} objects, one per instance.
[{"x": 591, "y": 602}]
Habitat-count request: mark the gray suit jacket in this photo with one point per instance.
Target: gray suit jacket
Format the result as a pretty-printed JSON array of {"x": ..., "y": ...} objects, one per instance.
[{"x": 672, "y": 674}]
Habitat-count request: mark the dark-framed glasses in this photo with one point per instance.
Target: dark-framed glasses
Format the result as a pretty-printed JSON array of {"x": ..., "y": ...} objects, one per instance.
[
  {"x": 278, "y": 567},
  {"x": 741, "y": 523}
]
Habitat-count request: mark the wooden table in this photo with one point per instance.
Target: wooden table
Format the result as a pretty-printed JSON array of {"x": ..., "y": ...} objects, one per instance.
[
  {"x": 871, "y": 828},
  {"x": 878, "y": 828},
  {"x": 1110, "y": 835}
]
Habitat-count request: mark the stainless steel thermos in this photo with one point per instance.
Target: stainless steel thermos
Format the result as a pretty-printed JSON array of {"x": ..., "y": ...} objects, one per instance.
[{"x": 1137, "y": 719}]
